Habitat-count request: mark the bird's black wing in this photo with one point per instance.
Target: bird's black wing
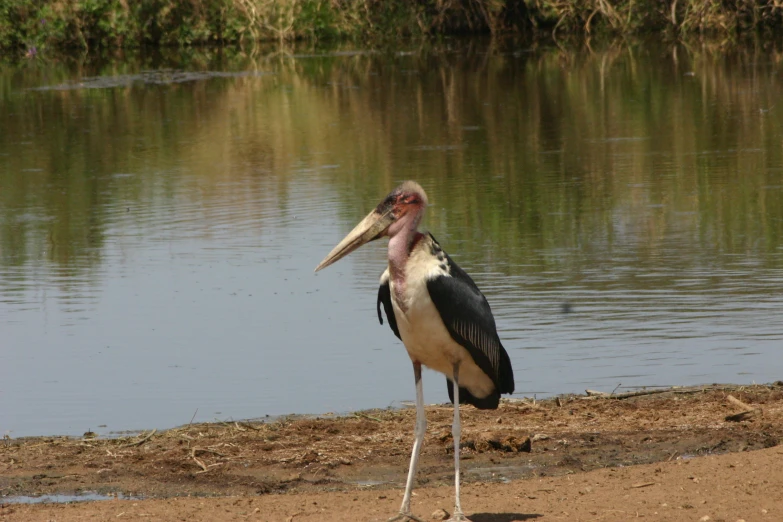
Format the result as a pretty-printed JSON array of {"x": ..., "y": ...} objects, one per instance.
[
  {"x": 384, "y": 297},
  {"x": 468, "y": 318}
]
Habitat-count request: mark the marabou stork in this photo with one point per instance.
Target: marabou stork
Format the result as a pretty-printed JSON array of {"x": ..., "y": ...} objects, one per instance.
[{"x": 438, "y": 312}]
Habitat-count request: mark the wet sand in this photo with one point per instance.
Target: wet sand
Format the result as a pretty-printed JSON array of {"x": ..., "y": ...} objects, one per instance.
[{"x": 680, "y": 455}]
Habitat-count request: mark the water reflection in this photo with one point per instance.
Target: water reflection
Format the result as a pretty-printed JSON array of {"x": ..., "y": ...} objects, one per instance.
[
  {"x": 64, "y": 499},
  {"x": 160, "y": 220}
]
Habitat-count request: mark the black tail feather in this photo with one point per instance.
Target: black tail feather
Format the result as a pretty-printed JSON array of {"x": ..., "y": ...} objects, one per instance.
[{"x": 490, "y": 402}]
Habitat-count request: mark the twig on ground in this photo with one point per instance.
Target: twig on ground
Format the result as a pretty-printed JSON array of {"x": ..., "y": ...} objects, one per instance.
[
  {"x": 749, "y": 412},
  {"x": 592, "y": 394},
  {"x": 140, "y": 441},
  {"x": 199, "y": 462},
  {"x": 639, "y": 393},
  {"x": 739, "y": 403}
]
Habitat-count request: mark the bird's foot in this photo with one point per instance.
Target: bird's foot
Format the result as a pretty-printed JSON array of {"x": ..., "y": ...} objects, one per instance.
[
  {"x": 458, "y": 516},
  {"x": 405, "y": 517}
]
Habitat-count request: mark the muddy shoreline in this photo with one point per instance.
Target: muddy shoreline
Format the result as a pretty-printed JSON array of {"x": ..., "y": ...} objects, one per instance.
[{"x": 368, "y": 452}]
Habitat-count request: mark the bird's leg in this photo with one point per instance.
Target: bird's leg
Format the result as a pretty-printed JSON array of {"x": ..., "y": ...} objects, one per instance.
[
  {"x": 456, "y": 431},
  {"x": 421, "y": 427}
]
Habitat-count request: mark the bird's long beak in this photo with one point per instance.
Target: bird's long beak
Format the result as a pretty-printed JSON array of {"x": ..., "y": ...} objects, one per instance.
[{"x": 368, "y": 229}]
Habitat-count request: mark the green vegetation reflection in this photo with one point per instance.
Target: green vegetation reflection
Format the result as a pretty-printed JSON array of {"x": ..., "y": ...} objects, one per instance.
[{"x": 534, "y": 159}]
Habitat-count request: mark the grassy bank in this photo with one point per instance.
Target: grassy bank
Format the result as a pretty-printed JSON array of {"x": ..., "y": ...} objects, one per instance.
[{"x": 36, "y": 24}]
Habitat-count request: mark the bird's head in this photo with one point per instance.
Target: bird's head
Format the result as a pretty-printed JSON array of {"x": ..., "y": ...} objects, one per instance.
[{"x": 401, "y": 209}]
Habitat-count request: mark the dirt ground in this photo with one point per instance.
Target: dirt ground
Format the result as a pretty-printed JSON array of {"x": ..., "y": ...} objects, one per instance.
[{"x": 684, "y": 454}]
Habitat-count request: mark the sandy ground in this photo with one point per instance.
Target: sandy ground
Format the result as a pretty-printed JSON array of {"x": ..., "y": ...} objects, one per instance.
[{"x": 679, "y": 455}]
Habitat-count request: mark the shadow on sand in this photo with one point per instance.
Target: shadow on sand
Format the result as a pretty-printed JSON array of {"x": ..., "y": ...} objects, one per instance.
[{"x": 502, "y": 517}]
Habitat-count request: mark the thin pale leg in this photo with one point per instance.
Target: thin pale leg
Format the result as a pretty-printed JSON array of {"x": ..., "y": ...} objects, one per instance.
[
  {"x": 456, "y": 431},
  {"x": 421, "y": 427}
]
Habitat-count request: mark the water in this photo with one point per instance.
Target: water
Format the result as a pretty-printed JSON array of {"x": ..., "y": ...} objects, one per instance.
[
  {"x": 160, "y": 219},
  {"x": 63, "y": 499}
]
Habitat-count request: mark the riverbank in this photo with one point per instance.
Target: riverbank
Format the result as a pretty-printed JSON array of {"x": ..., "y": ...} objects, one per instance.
[
  {"x": 31, "y": 26},
  {"x": 679, "y": 454}
]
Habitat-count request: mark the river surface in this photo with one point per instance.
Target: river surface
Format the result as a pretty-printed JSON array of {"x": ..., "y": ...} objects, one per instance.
[{"x": 161, "y": 216}]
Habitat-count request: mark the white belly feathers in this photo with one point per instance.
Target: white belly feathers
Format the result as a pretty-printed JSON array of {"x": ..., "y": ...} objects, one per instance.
[{"x": 421, "y": 328}]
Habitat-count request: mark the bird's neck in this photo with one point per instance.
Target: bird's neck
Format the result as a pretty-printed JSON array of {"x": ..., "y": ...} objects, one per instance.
[
  {"x": 404, "y": 235},
  {"x": 400, "y": 247}
]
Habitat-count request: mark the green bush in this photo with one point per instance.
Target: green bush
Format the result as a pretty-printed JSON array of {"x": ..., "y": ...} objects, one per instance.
[{"x": 85, "y": 24}]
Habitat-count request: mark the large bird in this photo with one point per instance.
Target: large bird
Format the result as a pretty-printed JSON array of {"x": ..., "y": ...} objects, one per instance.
[{"x": 440, "y": 315}]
